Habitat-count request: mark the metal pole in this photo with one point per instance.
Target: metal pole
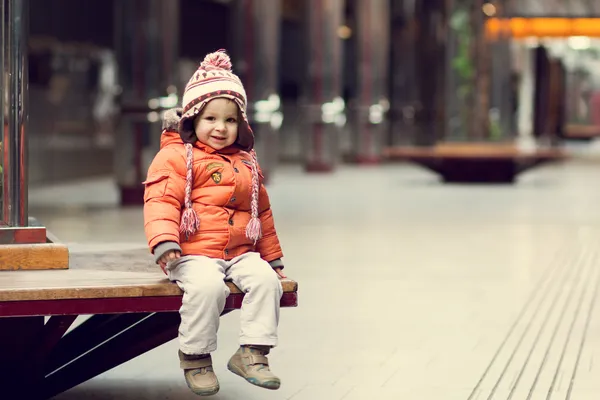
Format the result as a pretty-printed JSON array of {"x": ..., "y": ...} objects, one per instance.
[
  {"x": 3, "y": 94},
  {"x": 15, "y": 194}
]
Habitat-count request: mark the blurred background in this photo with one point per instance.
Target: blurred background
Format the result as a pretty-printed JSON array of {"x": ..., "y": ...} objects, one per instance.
[
  {"x": 329, "y": 81},
  {"x": 432, "y": 165}
]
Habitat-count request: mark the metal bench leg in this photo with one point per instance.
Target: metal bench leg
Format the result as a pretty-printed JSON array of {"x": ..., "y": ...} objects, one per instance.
[
  {"x": 20, "y": 365},
  {"x": 92, "y": 332},
  {"x": 150, "y": 332},
  {"x": 53, "y": 331}
]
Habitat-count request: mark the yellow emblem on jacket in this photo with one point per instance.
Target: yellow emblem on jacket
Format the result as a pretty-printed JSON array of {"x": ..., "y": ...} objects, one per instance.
[{"x": 216, "y": 177}]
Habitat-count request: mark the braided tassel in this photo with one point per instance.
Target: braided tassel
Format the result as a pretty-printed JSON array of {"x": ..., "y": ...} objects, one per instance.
[
  {"x": 190, "y": 222},
  {"x": 254, "y": 229}
]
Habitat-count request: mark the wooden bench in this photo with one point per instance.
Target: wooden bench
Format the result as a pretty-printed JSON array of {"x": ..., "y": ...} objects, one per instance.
[
  {"x": 475, "y": 162},
  {"x": 581, "y": 132},
  {"x": 133, "y": 308}
]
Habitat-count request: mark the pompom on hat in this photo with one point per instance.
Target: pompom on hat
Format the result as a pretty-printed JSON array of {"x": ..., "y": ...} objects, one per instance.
[{"x": 215, "y": 79}]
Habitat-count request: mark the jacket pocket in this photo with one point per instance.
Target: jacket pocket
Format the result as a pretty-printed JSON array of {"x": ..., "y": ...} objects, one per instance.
[{"x": 156, "y": 186}]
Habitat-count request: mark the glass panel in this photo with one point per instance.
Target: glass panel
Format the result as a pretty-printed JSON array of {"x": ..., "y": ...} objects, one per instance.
[{"x": 582, "y": 58}]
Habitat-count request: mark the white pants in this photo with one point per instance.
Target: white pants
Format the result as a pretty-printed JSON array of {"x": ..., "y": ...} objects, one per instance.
[{"x": 202, "y": 280}]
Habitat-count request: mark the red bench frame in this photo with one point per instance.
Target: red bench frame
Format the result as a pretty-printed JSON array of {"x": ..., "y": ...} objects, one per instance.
[{"x": 40, "y": 361}]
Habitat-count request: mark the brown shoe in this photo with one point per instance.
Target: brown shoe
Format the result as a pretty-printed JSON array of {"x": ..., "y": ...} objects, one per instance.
[
  {"x": 251, "y": 363},
  {"x": 199, "y": 374}
]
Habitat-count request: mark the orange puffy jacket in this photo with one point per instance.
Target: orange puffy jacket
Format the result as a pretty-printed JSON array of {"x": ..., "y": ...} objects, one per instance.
[{"x": 220, "y": 196}]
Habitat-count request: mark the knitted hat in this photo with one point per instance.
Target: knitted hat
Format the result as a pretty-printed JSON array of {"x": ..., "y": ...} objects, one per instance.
[{"x": 214, "y": 79}]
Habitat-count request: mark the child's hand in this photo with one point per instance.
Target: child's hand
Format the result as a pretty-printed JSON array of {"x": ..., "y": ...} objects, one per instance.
[
  {"x": 168, "y": 256},
  {"x": 280, "y": 273}
]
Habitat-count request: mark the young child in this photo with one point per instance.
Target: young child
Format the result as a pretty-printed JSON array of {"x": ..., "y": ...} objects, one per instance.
[{"x": 208, "y": 219}]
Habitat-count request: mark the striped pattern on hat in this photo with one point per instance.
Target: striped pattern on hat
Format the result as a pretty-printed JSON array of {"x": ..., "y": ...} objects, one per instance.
[{"x": 214, "y": 78}]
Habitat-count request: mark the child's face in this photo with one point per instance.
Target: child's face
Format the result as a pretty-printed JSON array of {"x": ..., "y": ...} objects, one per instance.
[{"x": 217, "y": 124}]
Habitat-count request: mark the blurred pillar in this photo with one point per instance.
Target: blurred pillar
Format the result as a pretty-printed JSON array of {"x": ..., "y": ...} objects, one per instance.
[
  {"x": 431, "y": 19},
  {"x": 147, "y": 50},
  {"x": 504, "y": 92},
  {"x": 256, "y": 29},
  {"x": 403, "y": 77},
  {"x": 526, "y": 94},
  {"x": 323, "y": 105},
  {"x": 419, "y": 69},
  {"x": 370, "y": 106}
]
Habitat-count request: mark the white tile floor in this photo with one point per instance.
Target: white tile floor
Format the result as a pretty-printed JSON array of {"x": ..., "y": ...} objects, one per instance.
[{"x": 409, "y": 289}]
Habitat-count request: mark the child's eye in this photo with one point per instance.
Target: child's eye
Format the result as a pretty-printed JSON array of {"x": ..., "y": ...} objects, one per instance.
[
  {"x": 232, "y": 120},
  {"x": 210, "y": 118}
]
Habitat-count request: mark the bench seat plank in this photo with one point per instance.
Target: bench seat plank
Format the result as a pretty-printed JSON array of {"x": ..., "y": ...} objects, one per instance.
[{"x": 94, "y": 275}]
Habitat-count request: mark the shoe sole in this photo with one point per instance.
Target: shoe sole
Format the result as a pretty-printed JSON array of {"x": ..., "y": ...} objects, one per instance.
[
  {"x": 271, "y": 385},
  {"x": 204, "y": 392}
]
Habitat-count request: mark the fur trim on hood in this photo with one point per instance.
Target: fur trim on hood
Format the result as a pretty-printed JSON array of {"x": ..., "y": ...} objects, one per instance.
[{"x": 171, "y": 119}]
